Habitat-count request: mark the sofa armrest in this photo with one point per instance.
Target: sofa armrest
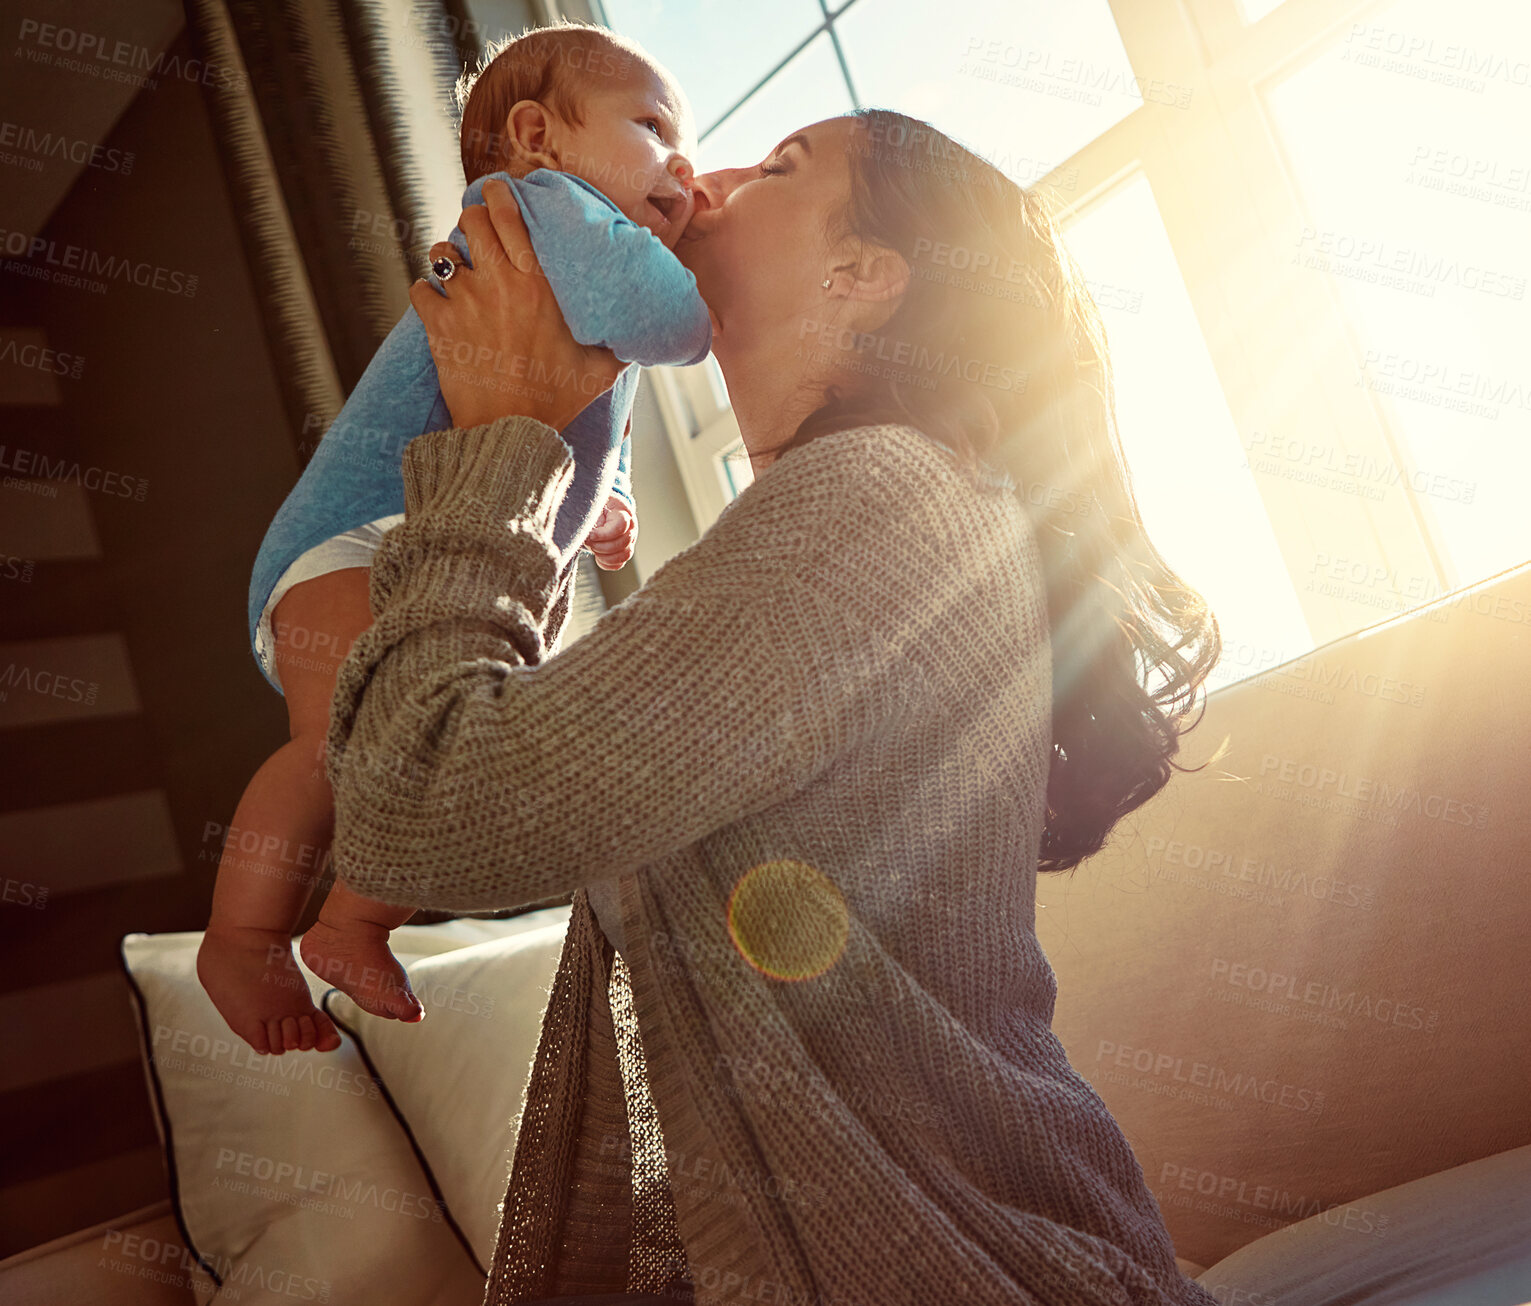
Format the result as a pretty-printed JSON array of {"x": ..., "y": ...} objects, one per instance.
[{"x": 135, "y": 1259}]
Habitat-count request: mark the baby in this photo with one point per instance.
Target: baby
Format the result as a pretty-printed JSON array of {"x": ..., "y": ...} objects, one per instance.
[{"x": 591, "y": 135}]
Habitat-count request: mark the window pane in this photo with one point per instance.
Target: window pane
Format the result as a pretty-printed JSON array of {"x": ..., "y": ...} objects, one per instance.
[
  {"x": 735, "y": 470},
  {"x": 809, "y": 88},
  {"x": 1407, "y": 141},
  {"x": 1255, "y": 10},
  {"x": 717, "y": 49},
  {"x": 1017, "y": 81},
  {"x": 1197, "y": 496}
]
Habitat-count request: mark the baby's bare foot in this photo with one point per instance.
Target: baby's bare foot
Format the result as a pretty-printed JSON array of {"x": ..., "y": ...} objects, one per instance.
[
  {"x": 254, "y": 982},
  {"x": 354, "y": 957}
]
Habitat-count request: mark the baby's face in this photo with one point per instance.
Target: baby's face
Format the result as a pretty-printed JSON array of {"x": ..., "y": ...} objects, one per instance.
[{"x": 633, "y": 147}]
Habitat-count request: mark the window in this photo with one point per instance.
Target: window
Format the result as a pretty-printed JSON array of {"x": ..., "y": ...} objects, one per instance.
[
  {"x": 1253, "y": 11},
  {"x": 1192, "y": 479},
  {"x": 1023, "y": 83},
  {"x": 1421, "y": 235},
  {"x": 1304, "y": 225}
]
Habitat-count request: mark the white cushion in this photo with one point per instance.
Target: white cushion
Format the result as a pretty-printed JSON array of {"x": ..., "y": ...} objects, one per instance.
[
  {"x": 290, "y": 1176},
  {"x": 458, "y": 1078},
  {"x": 1458, "y": 1238}
]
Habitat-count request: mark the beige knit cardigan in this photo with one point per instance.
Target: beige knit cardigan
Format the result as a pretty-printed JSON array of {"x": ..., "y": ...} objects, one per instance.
[{"x": 812, "y": 749}]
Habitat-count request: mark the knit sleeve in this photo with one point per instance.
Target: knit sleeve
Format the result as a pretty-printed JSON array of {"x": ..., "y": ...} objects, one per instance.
[{"x": 471, "y": 771}]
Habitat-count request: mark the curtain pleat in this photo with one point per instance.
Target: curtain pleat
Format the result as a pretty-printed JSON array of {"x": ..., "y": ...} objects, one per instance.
[{"x": 340, "y": 149}]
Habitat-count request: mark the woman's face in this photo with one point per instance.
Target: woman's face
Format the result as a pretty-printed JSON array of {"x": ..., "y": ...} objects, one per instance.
[{"x": 758, "y": 240}]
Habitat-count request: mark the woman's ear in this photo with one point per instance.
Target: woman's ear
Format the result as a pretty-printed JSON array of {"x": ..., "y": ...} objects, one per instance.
[
  {"x": 531, "y": 134},
  {"x": 872, "y": 274}
]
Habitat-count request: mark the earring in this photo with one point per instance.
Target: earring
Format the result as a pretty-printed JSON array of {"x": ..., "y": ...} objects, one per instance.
[{"x": 826, "y": 283}]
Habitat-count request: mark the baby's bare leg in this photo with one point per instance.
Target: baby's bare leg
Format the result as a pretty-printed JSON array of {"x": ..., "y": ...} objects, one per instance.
[
  {"x": 245, "y": 962},
  {"x": 348, "y": 946}
]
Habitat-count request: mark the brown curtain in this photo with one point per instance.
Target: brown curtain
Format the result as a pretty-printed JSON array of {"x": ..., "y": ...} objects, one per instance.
[{"x": 337, "y": 134}]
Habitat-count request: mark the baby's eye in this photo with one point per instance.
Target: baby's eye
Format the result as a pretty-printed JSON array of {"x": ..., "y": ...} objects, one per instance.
[{"x": 655, "y": 124}]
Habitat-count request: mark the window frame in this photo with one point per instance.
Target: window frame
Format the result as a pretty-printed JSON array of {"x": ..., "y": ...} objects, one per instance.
[{"x": 1230, "y": 206}]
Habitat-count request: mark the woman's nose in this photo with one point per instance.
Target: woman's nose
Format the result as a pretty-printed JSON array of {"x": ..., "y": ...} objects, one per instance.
[{"x": 709, "y": 190}]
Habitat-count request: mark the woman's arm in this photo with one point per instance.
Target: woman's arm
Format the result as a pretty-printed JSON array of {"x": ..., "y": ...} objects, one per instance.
[
  {"x": 469, "y": 770},
  {"x": 469, "y": 774}
]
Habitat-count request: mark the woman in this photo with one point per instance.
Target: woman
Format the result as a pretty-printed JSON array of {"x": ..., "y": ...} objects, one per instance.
[{"x": 844, "y": 730}]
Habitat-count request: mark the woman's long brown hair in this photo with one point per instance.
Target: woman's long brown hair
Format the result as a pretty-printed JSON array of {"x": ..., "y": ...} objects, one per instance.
[{"x": 994, "y": 286}]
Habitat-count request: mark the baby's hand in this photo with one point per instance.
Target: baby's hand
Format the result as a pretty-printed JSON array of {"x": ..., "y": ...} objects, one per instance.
[{"x": 613, "y": 536}]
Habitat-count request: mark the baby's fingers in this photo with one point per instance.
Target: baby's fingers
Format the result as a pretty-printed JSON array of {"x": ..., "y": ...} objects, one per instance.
[{"x": 613, "y": 524}]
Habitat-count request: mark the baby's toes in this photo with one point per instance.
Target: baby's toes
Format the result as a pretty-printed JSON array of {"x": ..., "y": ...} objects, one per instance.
[
  {"x": 326, "y": 1037},
  {"x": 257, "y": 1037},
  {"x": 275, "y": 1044}
]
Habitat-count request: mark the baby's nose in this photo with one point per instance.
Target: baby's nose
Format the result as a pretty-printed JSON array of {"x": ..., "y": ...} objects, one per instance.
[{"x": 680, "y": 168}]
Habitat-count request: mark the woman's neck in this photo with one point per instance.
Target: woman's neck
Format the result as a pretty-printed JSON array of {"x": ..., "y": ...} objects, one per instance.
[{"x": 770, "y": 395}]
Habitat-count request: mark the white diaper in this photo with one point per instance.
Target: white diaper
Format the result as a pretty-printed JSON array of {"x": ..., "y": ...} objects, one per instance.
[{"x": 352, "y": 549}]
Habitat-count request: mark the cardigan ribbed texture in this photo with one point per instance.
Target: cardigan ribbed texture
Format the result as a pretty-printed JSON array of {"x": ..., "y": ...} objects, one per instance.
[{"x": 813, "y": 751}]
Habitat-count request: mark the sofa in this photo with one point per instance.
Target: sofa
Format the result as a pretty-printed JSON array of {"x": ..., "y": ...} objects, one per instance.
[{"x": 1296, "y": 977}]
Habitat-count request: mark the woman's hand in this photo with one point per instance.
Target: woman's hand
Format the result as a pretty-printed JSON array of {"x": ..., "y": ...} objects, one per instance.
[{"x": 498, "y": 337}]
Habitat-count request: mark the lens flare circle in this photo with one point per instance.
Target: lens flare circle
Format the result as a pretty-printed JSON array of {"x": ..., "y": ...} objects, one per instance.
[{"x": 788, "y": 919}]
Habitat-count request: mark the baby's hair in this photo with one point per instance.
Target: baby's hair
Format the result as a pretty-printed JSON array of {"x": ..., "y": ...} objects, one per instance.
[{"x": 554, "y": 65}]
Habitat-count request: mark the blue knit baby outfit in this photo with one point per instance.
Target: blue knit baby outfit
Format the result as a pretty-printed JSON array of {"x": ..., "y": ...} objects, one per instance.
[{"x": 618, "y": 287}]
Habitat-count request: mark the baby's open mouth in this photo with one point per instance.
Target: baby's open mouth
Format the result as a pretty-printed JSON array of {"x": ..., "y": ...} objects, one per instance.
[{"x": 670, "y": 208}]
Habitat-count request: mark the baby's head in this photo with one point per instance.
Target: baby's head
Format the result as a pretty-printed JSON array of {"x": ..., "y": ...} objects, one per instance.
[{"x": 580, "y": 99}]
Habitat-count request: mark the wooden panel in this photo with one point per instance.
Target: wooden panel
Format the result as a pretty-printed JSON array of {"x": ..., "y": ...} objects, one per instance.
[
  {"x": 79, "y": 934},
  {"x": 53, "y": 1205},
  {"x": 64, "y": 679},
  {"x": 45, "y": 519},
  {"x": 29, "y": 368},
  {"x": 49, "y": 599},
  {"x": 71, "y": 761},
  {"x": 72, "y": 1121},
  {"x": 42, "y": 1026},
  {"x": 74, "y": 846}
]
